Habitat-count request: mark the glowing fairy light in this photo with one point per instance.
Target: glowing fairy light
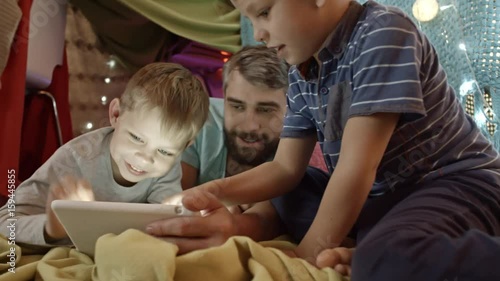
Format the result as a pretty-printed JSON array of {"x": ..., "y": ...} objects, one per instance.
[
  {"x": 425, "y": 10},
  {"x": 466, "y": 87}
]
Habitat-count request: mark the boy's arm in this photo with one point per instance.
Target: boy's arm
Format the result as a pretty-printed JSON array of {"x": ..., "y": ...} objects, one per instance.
[
  {"x": 25, "y": 215},
  {"x": 29, "y": 206},
  {"x": 363, "y": 145},
  {"x": 267, "y": 180}
]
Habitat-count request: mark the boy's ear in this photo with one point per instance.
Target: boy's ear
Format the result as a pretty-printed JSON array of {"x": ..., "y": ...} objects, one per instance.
[
  {"x": 189, "y": 143},
  {"x": 114, "y": 111}
]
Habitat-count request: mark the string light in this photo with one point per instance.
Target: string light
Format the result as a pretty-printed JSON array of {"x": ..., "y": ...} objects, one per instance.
[
  {"x": 480, "y": 118},
  {"x": 466, "y": 88},
  {"x": 425, "y": 10},
  {"x": 445, "y": 7},
  {"x": 469, "y": 105},
  {"x": 111, "y": 63},
  {"x": 490, "y": 127}
]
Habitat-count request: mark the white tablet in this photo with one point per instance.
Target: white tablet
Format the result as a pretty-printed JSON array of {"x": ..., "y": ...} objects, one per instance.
[{"x": 86, "y": 221}]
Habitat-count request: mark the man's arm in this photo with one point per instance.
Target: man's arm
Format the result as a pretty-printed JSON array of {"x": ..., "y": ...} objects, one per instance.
[
  {"x": 267, "y": 180},
  {"x": 363, "y": 145},
  {"x": 262, "y": 222},
  {"x": 189, "y": 176}
]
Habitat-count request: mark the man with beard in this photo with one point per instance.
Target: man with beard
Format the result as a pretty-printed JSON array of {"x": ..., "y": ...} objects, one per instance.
[{"x": 243, "y": 129}]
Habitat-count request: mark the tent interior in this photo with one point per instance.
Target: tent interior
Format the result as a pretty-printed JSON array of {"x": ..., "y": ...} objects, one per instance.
[{"x": 62, "y": 62}]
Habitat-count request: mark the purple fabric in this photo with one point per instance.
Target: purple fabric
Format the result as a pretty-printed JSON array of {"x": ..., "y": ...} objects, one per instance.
[{"x": 204, "y": 62}]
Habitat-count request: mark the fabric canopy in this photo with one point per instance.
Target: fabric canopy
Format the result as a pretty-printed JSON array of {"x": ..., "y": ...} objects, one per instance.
[{"x": 141, "y": 31}]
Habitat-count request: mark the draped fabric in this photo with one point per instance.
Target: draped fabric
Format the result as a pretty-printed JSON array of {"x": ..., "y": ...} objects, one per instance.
[
  {"x": 147, "y": 258},
  {"x": 10, "y": 15},
  {"x": 140, "y": 32},
  {"x": 211, "y": 22},
  {"x": 12, "y": 94},
  {"x": 95, "y": 75}
]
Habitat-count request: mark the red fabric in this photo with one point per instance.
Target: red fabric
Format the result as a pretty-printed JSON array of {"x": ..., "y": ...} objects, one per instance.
[
  {"x": 317, "y": 159},
  {"x": 27, "y": 128},
  {"x": 12, "y": 99},
  {"x": 39, "y": 131}
]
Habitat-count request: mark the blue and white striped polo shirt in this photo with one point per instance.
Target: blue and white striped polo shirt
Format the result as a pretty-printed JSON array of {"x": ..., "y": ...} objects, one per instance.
[{"x": 378, "y": 61}]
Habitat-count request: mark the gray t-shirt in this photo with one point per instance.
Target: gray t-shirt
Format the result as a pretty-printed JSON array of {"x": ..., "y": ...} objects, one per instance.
[{"x": 85, "y": 157}]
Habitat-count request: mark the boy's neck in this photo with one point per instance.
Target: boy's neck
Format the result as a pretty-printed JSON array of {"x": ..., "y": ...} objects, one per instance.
[{"x": 333, "y": 24}]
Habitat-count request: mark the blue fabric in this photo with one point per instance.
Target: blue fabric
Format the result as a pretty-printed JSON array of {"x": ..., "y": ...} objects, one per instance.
[
  {"x": 208, "y": 153},
  {"x": 298, "y": 208},
  {"x": 247, "y": 32},
  {"x": 446, "y": 230}
]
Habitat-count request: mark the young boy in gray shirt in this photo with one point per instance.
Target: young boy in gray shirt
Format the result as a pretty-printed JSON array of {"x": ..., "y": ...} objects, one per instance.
[{"x": 135, "y": 160}]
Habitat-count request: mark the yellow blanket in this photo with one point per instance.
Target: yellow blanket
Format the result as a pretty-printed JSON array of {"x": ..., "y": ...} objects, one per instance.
[{"x": 134, "y": 255}]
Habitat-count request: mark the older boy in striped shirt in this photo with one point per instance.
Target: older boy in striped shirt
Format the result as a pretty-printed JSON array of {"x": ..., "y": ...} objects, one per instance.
[{"x": 411, "y": 174}]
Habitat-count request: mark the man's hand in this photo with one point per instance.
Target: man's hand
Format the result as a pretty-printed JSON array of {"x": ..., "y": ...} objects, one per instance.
[
  {"x": 68, "y": 188},
  {"x": 215, "y": 225}
]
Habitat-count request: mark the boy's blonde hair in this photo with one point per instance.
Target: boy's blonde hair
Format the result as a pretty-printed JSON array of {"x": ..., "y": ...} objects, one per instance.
[
  {"x": 260, "y": 66},
  {"x": 170, "y": 87}
]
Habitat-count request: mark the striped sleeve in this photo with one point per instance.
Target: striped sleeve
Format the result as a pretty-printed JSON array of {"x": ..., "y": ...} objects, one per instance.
[
  {"x": 386, "y": 68},
  {"x": 298, "y": 120}
]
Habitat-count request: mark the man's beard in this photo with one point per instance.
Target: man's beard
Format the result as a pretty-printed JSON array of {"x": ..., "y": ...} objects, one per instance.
[{"x": 251, "y": 156}]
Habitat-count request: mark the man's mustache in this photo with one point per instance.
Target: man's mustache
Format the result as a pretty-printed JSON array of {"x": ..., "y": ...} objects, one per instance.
[{"x": 251, "y": 135}]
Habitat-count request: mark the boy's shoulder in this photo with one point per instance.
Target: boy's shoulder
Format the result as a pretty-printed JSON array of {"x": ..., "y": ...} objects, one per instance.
[
  {"x": 378, "y": 15},
  {"x": 355, "y": 25},
  {"x": 90, "y": 144}
]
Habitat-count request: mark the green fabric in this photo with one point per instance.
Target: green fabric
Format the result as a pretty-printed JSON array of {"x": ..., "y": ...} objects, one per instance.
[
  {"x": 123, "y": 32},
  {"x": 139, "y": 32},
  {"x": 212, "y": 22}
]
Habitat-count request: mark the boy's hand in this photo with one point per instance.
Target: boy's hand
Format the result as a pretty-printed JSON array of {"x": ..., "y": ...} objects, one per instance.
[
  {"x": 201, "y": 196},
  {"x": 68, "y": 188},
  {"x": 337, "y": 258}
]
